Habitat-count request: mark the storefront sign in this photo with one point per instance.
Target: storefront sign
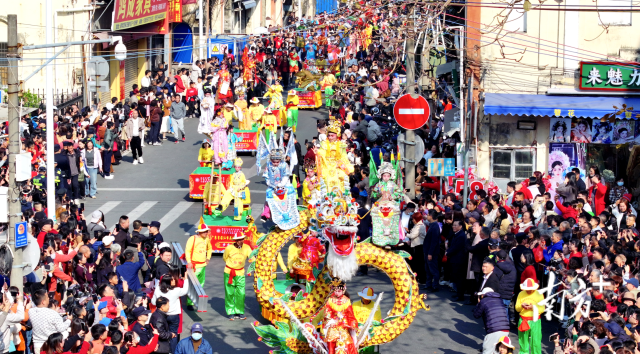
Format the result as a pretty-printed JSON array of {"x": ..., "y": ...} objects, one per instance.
[
  {"x": 175, "y": 11},
  {"x": 132, "y": 13},
  {"x": 441, "y": 167},
  {"x": 122, "y": 79},
  {"x": 609, "y": 76}
]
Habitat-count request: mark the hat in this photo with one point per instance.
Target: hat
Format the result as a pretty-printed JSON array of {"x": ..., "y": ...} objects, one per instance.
[
  {"x": 292, "y": 92},
  {"x": 42, "y": 169},
  {"x": 239, "y": 236},
  {"x": 521, "y": 236},
  {"x": 67, "y": 143},
  {"x": 633, "y": 281},
  {"x": 196, "y": 327},
  {"x": 613, "y": 327},
  {"x": 627, "y": 196},
  {"x": 102, "y": 305},
  {"x": 473, "y": 214},
  {"x": 163, "y": 245},
  {"x": 155, "y": 224},
  {"x": 502, "y": 254},
  {"x": 485, "y": 291},
  {"x": 140, "y": 311},
  {"x": 529, "y": 284},
  {"x": 367, "y": 293},
  {"x": 202, "y": 228},
  {"x": 506, "y": 341},
  {"x": 493, "y": 243},
  {"x": 96, "y": 216},
  {"x": 628, "y": 296},
  {"x": 255, "y": 100},
  {"x": 228, "y": 105},
  {"x": 107, "y": 240}
]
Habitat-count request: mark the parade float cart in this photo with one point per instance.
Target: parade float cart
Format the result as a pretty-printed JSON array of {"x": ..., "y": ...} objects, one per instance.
[
  {"x": 222, "y": 229},
  {"x": 199, "y": 178},
  {"x": 309, "y": 99},
  {"x": 248, "y": 140}
]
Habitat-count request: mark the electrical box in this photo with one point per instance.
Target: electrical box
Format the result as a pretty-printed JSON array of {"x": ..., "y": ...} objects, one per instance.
[{"x": 77, "y": 76}]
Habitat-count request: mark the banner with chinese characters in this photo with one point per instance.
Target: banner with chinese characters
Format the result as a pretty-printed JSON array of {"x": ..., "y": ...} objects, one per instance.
[
  {"x": 609, "y": 76},
  {"x": 175, "y": 11},
  {"x": 132, "y": 13}
]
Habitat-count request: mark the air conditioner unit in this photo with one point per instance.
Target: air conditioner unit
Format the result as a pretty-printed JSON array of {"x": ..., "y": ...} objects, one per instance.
[{"x": 77, "y": 76}]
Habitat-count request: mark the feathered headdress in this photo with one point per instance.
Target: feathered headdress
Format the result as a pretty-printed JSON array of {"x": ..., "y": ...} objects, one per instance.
[{"x": 275, "y": 150}]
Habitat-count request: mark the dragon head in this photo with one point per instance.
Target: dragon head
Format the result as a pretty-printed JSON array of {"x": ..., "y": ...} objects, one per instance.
[{"x": 337, "y": 218}]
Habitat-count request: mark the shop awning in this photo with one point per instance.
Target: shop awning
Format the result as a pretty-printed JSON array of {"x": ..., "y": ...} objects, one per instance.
[
  {"x": 557, "y": 106},
  {"x": 249, "y": 4}
]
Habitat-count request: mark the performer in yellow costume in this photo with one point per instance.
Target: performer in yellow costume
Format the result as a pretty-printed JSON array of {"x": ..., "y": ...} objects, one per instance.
[
  {"x": 238, "y": 192},
  {"x": 333, "y": 165},
  {"x": 292, "y": 110},
  {"x": 234, "y": 257},
  {"x": 362, "y": 309},
  {"x": 311, "y": 186},
  {"x": 205, "y": 155},
  {"x": 275, "y": 93},
  {"x": 254, "y": 115},
  {"x": 229, "y": 114},
  {"x": 241, "y": 103},
  {"x": 198, "y": 253},
  {"x": 269, "y": 121}
]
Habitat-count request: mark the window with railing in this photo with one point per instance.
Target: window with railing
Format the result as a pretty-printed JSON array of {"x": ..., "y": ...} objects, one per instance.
[{"x": 4, "y": 65}]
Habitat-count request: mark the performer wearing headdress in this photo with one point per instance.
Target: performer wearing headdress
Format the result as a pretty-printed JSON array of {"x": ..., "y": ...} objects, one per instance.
[
  {"x": 269, "y": 121},
  {"x": 385, "y": 213},
  {"x": 311, "y": 186},
  {"x": 213, "y": 192},
  {"x": 229, "y": 113},
  {"x": 340, "y": 324},
  {"x": 224, "y": 82},
  {"x": 237, "y": 191},
  {"x": 362, "y": 309},
  {"x": 254, "y": 115},
  {"x": 387, "y": 189},
  {"x": 241, "y": 104},
  {"x": 219, "y": 138},
  {"x": 234, "y": 257},
  {"x": 333, "y": 165},
  {"x": 292, "y": 110},
  {"x": 293, "y": 62},
  {"x": 311, "y": 253},
  {"x": 205, "y": 155},
  {"x": 276, "y": 102},
  {"x": 249, "y": 62},
  {"x": 232, "y": 139},
  {"x": 207, "y": 109}
]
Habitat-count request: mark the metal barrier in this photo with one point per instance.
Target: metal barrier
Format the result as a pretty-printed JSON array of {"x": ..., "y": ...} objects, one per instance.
[{"x": 196, "y": 292}]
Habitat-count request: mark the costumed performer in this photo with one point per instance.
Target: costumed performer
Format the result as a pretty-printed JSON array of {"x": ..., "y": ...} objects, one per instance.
[
  {"x": 235, "y": 256},
  {"x": 241, "y": 104},
  {"x": 198, "y": 253},
  {"x": 249, "y": 61},
  {"x": 385, "y": 213},
  {"x": 207, "y": 113},
  {"x": 362, "y": 309},
  {"x": 224, "y": 82},
  {"x": 311, "y": 193},
  {"x": 205, "y": 155},
  {"x": 292, "y": 110},
  {"x": 237, "y": 191},
  {"x": 293, "y": 62},
  {"x": 276, "y": 102},
  {"x": 231, "y": 152},
  {"x": 340, "y": 324},
  {"x": 219, "y": 138},
  {"x": 333, "y": 165},
  {"x": 269, "y": 121},
  {"x": 213, "y": 192},
  {"x": 254, "y": 115},
  {"x": 312, "y": 252},
  {"x": 530, "y": 325},
  {"x": 229, "y": 113}
]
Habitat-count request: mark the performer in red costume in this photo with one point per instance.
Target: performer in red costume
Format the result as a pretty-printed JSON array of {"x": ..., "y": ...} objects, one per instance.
[
  {"x": 340, "y": 324},
  {"x": 311, "y": 254}
]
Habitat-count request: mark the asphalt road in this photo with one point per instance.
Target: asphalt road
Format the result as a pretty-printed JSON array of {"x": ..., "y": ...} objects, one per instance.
[{"x": 158, "y": 190}]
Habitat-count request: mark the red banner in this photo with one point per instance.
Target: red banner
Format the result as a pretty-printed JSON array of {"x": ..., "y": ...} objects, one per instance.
[
  {"x": 222, "y": 236},
  {"x": 175, "y": 11},
  {"x": 197, "y": 183},
  {"x": 187, "y": 2},
  {"x": 132, "y": 13},
  {"x": 249, "y": 141},
  {"x": 122, "y": 79}
]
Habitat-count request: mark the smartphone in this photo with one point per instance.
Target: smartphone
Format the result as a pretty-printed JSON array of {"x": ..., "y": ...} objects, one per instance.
[
  {"x": 94, "y": 297},
  {"x": 519, "y": 216},
  {"x": 584, "y": 248}
]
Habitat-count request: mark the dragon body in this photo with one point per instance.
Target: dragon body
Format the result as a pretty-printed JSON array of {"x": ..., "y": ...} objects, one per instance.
[{"x": 408, "y": 300}]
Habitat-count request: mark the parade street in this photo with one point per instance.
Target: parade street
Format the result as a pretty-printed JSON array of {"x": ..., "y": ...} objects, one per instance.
[{"x": 158, "y": 191}]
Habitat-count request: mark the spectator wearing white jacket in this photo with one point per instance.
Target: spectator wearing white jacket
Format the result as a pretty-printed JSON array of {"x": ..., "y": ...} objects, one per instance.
[
  {"x": 11, "y": 325},
  {"x": 45, "y": 321},
  {"x": 167, "y": 288}
]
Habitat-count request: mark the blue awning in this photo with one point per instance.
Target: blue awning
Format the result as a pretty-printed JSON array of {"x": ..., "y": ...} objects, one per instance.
[{"x": 557, "y": 106}]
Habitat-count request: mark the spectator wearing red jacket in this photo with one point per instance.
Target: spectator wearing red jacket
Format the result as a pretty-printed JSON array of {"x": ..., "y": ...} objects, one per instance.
[
  {"x": 597, "y": 193},
  {"x": 179, "y": 84},
  {"x": 567, "y": 211}
]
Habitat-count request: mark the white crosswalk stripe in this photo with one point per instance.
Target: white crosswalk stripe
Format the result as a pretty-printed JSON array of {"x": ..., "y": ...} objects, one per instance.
[
  {"x": 106, "y": 207},
  {"x": 174, "y": 214},
  {"x": 139, "y": 210}
]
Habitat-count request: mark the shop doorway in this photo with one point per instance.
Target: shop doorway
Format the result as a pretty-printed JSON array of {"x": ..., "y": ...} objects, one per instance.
[{"x": 512, "y": 165}]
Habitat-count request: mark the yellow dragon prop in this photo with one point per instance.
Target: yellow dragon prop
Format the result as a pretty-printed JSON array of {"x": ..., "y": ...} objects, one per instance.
[{"x": 408, "y": 300}]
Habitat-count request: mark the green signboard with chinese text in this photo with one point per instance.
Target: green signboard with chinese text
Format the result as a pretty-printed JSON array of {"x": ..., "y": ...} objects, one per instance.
[{"x": 609, "y": 76}]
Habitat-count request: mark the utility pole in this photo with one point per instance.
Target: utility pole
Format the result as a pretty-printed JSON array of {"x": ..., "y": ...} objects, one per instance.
[
  {"x": 410, "y": 138},
  {"x": 51, "y": 170},
  {"x": 14, "y": 148},
  {"x": 200, "y": 35}
]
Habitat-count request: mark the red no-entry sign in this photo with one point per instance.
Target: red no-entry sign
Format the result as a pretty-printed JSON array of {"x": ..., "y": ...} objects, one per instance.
[{"x": 411, "y": 113}]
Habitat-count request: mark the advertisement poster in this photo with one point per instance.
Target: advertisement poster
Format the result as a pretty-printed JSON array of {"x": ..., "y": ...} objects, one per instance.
[
  {"x": 248, "y": 140},
  {"x": 602, "y": 132},
  {"x": 623, "y": 131},
  {"x": 562, "y": 158},
  {"x": 559, "y": 132},
  {"x": 580, "y": 130},
  {"x": 132, "y": 13}
]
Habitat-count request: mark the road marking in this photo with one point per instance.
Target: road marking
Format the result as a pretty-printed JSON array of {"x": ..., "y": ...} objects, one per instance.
[
  {"x": 145, "y": 189},
  {"x": 174, "y": 214},
  {"x": 411, "y": 111},
  {"x": 139, "y": 210},
  {"x": 107, "y": 207}
]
